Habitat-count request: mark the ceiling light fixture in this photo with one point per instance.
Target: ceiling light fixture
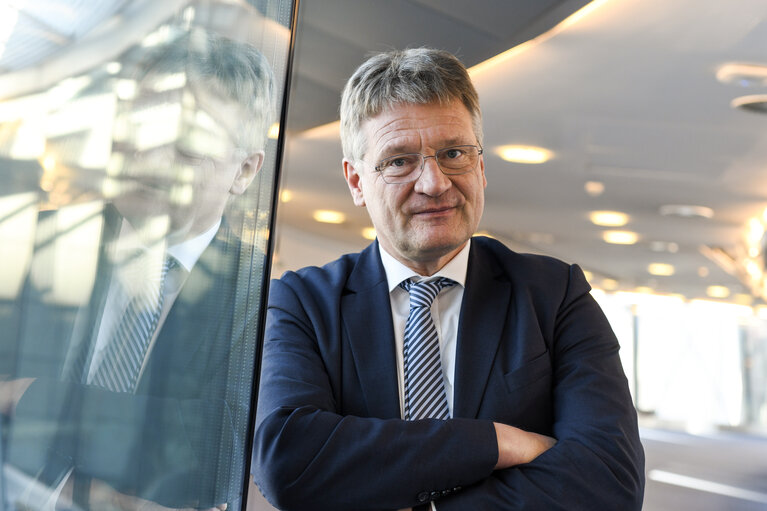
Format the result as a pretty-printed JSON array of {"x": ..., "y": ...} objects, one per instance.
[
  {"x": 609, "y": 218},
  {"x": 664, "y": 246},
  {"x": 620, "y": 237},
  {"x": 746, "y": 75},
  {"x": 661, "y": 269},
  {"x": 686, "y": 211},
  {"x": 594, "y": 188},
  {"x": 717, "y": 291},
  {"x": 369, "y": 233},
  {"x": 327, "y": 216},
  {"x": 523, "y": 154},
  {"x": 756, "y": 103}
]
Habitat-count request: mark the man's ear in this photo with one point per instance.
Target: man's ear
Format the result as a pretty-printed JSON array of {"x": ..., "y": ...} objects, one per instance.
[
  {"x": 247, "y": 171},
  {"x": 354, "y": 180}
]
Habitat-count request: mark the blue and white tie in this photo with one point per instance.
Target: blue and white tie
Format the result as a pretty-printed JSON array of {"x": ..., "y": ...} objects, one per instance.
[
  {"x": 425, "y": 395},
  {"x": 125, "y": 353}
]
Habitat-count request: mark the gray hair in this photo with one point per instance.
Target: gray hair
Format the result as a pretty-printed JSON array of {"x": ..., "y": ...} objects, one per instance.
[
  {"x": 412, "y": 76},
  {"x": 233, "y": 71}
]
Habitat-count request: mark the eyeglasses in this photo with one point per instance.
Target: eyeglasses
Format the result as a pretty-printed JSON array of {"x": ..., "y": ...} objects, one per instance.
[{"x": 452, "y": 161}]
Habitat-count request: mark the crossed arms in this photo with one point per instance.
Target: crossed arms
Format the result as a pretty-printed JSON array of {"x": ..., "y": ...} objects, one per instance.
[{"x": 316, "y": 448}]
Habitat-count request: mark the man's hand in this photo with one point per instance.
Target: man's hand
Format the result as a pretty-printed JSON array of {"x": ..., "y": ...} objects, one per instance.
[{"x": 516, "y": 446}]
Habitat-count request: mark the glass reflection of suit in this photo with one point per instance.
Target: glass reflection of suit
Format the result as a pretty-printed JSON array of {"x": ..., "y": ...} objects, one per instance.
[{"x": 174, "y": 439}]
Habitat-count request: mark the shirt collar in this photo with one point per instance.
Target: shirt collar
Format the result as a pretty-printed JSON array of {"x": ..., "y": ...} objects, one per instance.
[
  {"x": 189, "y": 251},
  {"x": 186, "y": 253},
  {"x": 455, "y": 269}
]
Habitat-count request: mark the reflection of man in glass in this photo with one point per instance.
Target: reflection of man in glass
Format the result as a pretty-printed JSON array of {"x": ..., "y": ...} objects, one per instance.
[{"x": 148, "y": 404}]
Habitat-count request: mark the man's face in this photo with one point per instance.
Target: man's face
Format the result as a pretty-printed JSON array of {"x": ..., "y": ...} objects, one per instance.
[
  {"x": 188, "y": 176},
  {"x": 423, "y": 223}
]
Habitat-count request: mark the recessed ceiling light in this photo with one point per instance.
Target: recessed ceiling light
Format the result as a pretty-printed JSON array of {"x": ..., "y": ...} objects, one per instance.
[
  {"x": 743, "y": 74},
  {"x": 594, "y": 188},
  {"x": 329, "y": 217},
  {"x": 686, "y": 211},
  {"x": 369, "y": 233},
  {"x": 608, "y": 218},
  {"x": 717, "y": 291},
  {"x": 523, "y": 154},
  {"x": 756, "y": 103},
  {"x": 274, "y": 131},
  {"x": 286, "y": 196},
  {"x": 620, "y": 237},
  {"x": 703, "y": 272},
  {"x": 660, "y": 269},
  {"x": 610, "y": 284},
  {"x": 664, "y": 246}
]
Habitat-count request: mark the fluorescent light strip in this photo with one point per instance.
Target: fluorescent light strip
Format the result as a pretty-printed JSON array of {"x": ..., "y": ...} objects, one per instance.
[{"x": 694, "y": 483}]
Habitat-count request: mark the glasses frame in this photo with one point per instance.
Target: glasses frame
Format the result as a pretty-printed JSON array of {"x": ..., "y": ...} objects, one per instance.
[{"x": 415, "y": 176}]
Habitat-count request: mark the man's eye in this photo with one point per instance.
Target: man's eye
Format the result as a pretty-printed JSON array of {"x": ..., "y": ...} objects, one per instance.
[
  {"x": 401, "y": 162},
  {"x": 453, "y": 153}
]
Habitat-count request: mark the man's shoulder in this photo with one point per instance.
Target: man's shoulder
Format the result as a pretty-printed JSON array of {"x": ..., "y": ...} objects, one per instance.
[
  {"x": 333, "y": 277},
  {"x": 521, "y": 264}
]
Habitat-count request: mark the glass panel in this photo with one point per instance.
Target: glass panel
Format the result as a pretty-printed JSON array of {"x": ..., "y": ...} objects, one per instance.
[{"x": 138, "y": 149}]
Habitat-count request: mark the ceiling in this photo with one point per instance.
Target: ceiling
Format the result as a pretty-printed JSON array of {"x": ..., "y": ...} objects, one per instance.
[{"x": 625, "y": 93}]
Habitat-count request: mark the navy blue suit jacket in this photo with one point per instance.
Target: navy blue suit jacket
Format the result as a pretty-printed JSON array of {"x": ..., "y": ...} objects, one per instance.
[{"x": 534, "y": 351}]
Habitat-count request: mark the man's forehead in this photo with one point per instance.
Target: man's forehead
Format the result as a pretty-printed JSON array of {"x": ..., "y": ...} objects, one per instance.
[{"x": 409, "y": 126}]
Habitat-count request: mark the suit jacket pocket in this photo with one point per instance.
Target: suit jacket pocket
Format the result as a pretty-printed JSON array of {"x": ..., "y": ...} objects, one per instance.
[{"x": 530, "y": 372}]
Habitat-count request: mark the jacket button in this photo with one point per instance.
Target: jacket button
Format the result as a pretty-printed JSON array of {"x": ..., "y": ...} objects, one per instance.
[{"x": 423, "y": 496}]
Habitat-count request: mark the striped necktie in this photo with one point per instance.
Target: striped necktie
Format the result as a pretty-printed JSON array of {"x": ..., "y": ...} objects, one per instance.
[
  {"x": 125, "y": 353},
  {"x": 425, "y": 395}
]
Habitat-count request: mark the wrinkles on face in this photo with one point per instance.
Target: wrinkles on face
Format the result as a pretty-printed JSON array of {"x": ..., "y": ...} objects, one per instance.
[{"x": 413, "y": 135}]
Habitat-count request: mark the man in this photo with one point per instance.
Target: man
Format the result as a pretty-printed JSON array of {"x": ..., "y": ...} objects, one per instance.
[
  {"x": 531, "y": 409},
  {"x": 168, "y": 426}
]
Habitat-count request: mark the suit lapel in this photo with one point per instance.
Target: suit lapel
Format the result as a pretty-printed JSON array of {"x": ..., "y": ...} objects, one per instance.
[
  {"x": 366, "y": 316},
  {"x": 483, "y": 319}
]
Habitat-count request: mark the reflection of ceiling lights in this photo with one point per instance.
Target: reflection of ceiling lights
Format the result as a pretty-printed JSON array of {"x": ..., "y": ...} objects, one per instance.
[
  {"x": 620, "y": 237},
  {"x": 524, "y": 154},
  {"x": 608, "y": 218},
  {"x": 686, "y": 211},
  {"x": 327, "y": 216},
  {"x": 756, "y": 103},
  {"x": 746, "y": 75}
]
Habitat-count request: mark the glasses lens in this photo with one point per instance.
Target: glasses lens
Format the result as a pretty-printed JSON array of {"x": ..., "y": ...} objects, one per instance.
[
  {"x": 400, "y": 168},
  {"x": 458, "y": 159}
]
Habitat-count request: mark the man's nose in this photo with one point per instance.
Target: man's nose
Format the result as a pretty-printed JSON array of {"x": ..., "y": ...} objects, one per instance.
[{"x": 433, "y": 181}]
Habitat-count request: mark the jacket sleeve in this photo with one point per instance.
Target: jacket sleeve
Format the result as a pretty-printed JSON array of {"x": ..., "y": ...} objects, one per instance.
[
  {"x": 308, "y": 455},
  {"x": 598, "y": 461}
]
